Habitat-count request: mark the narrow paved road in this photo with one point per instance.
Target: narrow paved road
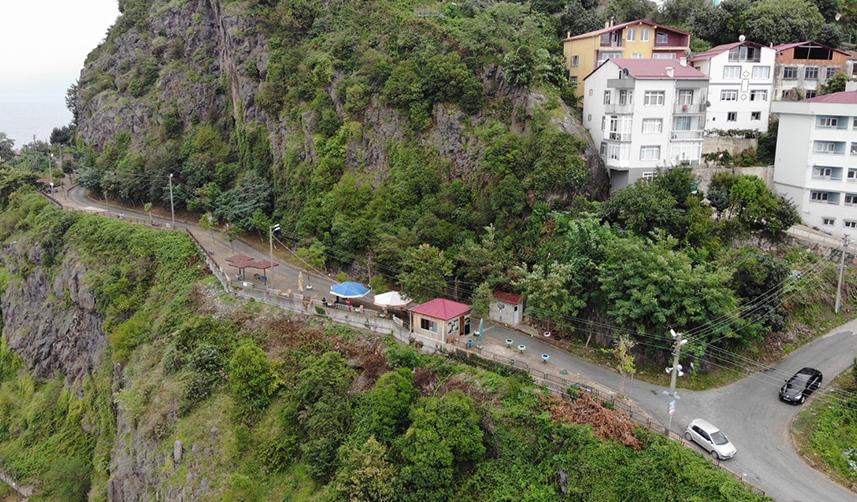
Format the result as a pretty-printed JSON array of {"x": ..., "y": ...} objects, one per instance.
[{"x": 748, "y": 410}]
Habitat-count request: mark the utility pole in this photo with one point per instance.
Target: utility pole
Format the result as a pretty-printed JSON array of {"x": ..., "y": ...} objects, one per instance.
[
  {"x": 841, "y": 273},
  {"x": 271, "y": 230},
  {"x": 172, "y": 207},
  {"x": 675, "y": 371}
]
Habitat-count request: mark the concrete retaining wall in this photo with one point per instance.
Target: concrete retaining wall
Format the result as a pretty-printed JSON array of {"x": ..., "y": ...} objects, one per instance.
[{"x": 734, "y": 146}]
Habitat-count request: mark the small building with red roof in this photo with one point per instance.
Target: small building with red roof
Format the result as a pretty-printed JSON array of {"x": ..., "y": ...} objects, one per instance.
[
  {"x": 507, "y": 308},
  {"x": 816, "y": 160},
  {"x": 440, "y": 319}
]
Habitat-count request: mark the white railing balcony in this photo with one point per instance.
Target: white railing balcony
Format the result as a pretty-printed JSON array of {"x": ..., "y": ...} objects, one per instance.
[
  {"x": 624, "y": 137},
  {"x": 686, "y": 135},
  {"x": 619, "y": 109},
  {"x": 689, "y": 108}
]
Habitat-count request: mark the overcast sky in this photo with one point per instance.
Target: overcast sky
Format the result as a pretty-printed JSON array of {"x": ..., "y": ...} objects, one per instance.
[{"x": 42, "y": 47}]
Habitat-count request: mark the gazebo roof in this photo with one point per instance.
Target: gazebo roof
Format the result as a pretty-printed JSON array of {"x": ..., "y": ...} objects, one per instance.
[{"x": 244, "y": 261}]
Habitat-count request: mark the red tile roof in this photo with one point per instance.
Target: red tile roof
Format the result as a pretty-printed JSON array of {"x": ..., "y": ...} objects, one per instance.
[
  {"x": 785, "y": 47},
  {"x": 842, "y": 98},
  {"x": 441, "y": 308},
  {"x": 622, "y": 25},
  {"x": 657, "y": 69},
  {"x": 505, "y": 297},
  {"x": 710, "y": 53}
]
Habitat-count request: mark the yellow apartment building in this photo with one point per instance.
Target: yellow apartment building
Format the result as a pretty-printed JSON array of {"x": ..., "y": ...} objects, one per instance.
[{"x": 641, "y": 39}]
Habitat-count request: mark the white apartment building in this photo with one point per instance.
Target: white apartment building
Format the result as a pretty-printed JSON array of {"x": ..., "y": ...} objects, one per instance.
[
  {"x": 645, "y": 114},
  {"x": 740, "y": 85},
  {"x": 816, "y": 160}
]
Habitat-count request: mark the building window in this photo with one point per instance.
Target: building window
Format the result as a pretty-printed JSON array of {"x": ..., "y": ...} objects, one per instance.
[
  {"x": 625, "y": 97},
  {"x": 854, "y": 124},
  {"x": 818, "y": 196},
  {"x": 822, "y": 172},
  {"x": 589, "y": 117},
  {"x": 828, "y": 122},
  {"x": 575, "y": 60},
  {"x": 850, "y": 224},
  {"x": 681, "y": 124},
  {"x": 755, "y": 115},
  {"x": 644, "y": 34},
  {"x": 662, "y": 38},
  {"x": 637, "y": 55},
  {"x": 828, "y": 221},
  {"x": 790, "y": 73},
  {"x": 648, "y": 175},
  {"x": 663, "y": 55},
  {"x": 853, "y": 148},
  {"x": 758, "y": 95},
  {"x": 827, "y": 147},
  {"x": 850, "y": 199},
  {"x": 810, "y": 93},
  {"x": 810, "y": 73},
  {"x": 650, "y": 152},
  {"x": 606, "y": 97},
  {"x": 573, "y": 80},
  {"x": 632, "y": 32},
  {"x": 653, "y": 98},
  {"x": 685, "y": 96},
  {"x": 731, "y": 116},
  {"x": 830, "y": 72},
  {"x": 728, "y": 95},
  {"x": 761, "y": 72},
  {"x": 852, "y": 175},
  {"x": 590, "y": 92},
  {"x": 653, "y": 126},
  {"x": 732, "y": 72},
  {"x": 745, "y": 54},
  {"x": 603, "y": 148},
  {"x": 428, "y": 325}
]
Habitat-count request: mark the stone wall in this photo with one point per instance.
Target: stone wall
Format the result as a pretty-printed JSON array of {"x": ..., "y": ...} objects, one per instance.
[{"x": 734, "y": 146}]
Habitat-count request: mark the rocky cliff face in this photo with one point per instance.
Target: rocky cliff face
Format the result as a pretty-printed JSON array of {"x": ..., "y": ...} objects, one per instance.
[
  {"x": 50, "y": 319},
  {"x": 206, "y": 61}
]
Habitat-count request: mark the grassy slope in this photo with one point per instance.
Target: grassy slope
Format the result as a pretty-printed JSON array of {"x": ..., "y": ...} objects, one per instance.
[
  {"x": 827, "y": 428},
  {"x": 152, "y": 311}
]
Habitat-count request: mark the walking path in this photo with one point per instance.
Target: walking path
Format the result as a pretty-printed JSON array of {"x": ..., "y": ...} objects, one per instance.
[{"x": 748, "y": 410}]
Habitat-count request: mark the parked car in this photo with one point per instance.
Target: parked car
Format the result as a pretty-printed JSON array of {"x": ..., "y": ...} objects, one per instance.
[
  {"x": 710, "y": 438},
  {"x": 802, "y": 384}
]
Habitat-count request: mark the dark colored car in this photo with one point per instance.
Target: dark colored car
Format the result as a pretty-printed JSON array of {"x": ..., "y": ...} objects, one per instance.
[{"x": 801, "y": 385}]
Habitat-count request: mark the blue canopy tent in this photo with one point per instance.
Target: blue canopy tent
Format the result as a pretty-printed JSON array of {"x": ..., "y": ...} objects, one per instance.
[{"x": 349, "y": 289}]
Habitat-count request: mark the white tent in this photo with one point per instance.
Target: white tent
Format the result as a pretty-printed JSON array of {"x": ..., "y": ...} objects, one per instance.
[{"x": 391, "y": 299}]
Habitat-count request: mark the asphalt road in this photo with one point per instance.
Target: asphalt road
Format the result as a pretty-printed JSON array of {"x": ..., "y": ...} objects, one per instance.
[{"x": 748, "y": 411}]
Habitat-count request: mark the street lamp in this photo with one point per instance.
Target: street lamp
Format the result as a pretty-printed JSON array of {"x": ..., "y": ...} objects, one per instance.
[
  {"x": 271, "y": 230},
  {"x": 172, "y": 207}
]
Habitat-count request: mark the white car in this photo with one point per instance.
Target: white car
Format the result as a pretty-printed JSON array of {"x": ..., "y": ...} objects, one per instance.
[{"x": 710, "y": 439}]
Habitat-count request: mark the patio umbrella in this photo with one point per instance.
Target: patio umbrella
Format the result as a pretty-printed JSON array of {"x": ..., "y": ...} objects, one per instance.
[
  {"x": 349, "y": 289},
  {"x": 391, "y": 299},
  {"x": 481, "y": 330}
]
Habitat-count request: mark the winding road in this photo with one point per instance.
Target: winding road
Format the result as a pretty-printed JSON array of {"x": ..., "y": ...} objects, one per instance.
[{"x": 748, "y": 410}]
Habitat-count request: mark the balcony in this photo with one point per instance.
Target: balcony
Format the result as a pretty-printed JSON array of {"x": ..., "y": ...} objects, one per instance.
[
  {"x": 622, "y": 137},
  {"x": 686, "y": 135},
  {"x": 689, "y": 108},
  {"x": 616, "y": 108}
]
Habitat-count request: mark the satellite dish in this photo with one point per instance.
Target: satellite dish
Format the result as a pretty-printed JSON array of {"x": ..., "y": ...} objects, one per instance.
[{"x": 742, "y": 38}]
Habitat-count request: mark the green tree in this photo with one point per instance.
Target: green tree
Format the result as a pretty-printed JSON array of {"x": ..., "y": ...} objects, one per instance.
[
  {"x": 643, "y": 208},
  {"x": 7, "y": 147},
  {"x": 650, "y": 286},
  {"x": 836, "y": 83},
  {"x": 251, "y": 378},
  {"x": 552, "y": 292},
  {"x": 383, "y": 411},
  {"x": 483, "y": 295},
  {"x": 624, "y": 359},
  {"x": 365, "y": 473},
  {"x": 207, "y": 222},
  {"x": 486, "y": 260},
  {"x": 444, "y": 434},
  {"x": 147, "y": 208},
  {"x": 629, "y": 10},
  {"x": 781, "y": 21},
  {"x": 425, "y": 271}
]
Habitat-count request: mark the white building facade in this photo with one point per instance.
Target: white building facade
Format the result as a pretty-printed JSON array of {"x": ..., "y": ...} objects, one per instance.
[
  {"x": 740, "y": 85},
  {"x": 816, "y": 160},
  {"x": 645, "y": 115}
]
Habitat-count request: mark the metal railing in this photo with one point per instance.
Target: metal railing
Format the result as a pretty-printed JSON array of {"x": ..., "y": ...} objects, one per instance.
[
  {"x": 686, "y": 135},
  {"x": 619, "y": 136},
  {"x": 619, "y": 108},
  {"x": 689, "y": 108}
]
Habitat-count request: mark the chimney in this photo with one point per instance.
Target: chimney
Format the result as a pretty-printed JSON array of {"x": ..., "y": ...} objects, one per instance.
[
  {"x": 682, "y": 61},
  {"x": 670, "y": 71},
  {"x": 568, "y": 35},
  {"x": 607, "y": 23}
]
